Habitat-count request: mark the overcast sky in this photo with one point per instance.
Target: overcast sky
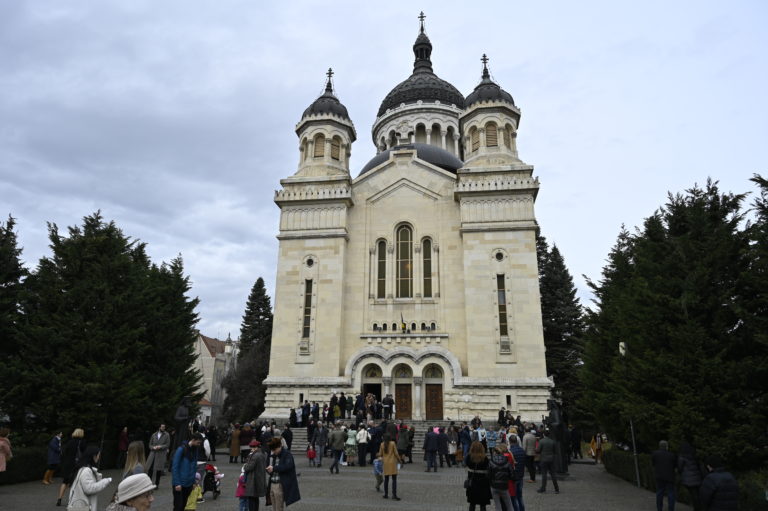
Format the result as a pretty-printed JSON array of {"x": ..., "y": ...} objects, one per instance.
[{"x": 176, "y": 119}]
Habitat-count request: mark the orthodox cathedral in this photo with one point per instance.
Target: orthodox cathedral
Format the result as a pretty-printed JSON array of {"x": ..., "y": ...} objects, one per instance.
[{"x": 416, "y": 275}]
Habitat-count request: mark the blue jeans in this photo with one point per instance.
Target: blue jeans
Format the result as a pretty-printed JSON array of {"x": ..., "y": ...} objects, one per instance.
[
  {"x": 243, "y": 504},
  {"x": 663, "y": 487},
  {"x": 517, "y": 500},
  {"x": 465, "y": 449}
]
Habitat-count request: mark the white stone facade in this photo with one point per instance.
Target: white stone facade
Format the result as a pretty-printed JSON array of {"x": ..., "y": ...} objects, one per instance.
[{"x": 414, "y": 278}]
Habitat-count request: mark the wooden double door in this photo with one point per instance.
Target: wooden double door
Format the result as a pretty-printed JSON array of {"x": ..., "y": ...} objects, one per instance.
[
  {"x": 433, "y": 397},
  {"x": 403, "y": 401}
]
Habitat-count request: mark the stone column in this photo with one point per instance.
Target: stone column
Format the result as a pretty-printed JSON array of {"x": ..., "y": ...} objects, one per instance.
[
  {"x": 481, "y": 131},
  {"x": 456, "y": 148},
  {"x": 435, "y": 270},
  {"x": 418, "y": 414},
  {"x": 386, "y": 386},
  {"x": 442, "y": 137},
  {"x": 327, "y": 156}
]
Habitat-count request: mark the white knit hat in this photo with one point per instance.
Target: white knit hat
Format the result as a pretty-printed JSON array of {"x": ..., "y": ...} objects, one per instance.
[{"x": 133, "y": 486}]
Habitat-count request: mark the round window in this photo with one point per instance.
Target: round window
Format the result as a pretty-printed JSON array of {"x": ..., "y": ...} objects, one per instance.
[
  {"x": 310, "y": 262},
  {"x": 499, "y": 256}
]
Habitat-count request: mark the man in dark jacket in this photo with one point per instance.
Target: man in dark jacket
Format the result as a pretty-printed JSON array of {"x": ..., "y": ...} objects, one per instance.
[
  {"x": 442, "y": 447},
  {"x": 320, "y": 441},
  {"x": 375, "y": 442},
  {"x": 431, "y": 445},
  {"x": 719, "y": 490},
  {"x": 519, "y": 473},
  {"x": 283, "y": 483},
  {"x": 664, "y": 465},
  {"x": 546, "y": 451}
]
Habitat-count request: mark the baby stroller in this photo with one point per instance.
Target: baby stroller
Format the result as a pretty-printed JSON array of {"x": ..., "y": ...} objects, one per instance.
[{"x": 212, "y": 480}]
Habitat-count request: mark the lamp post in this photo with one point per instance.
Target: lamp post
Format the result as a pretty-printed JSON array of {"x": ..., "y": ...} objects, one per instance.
[{"x": 623, "y": 353}]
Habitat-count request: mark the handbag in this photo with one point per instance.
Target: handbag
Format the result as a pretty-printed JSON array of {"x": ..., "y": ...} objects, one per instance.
[{"x": 467, "y": 483}]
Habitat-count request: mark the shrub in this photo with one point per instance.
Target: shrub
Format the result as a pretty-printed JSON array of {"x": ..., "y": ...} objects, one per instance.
[{"x": 27, "y": 464}]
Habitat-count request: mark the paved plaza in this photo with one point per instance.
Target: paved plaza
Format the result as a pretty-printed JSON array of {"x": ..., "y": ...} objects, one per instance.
[{"x": 588, "y": 487}]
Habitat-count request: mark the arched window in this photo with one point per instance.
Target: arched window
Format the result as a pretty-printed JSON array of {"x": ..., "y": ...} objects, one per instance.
[
  {"x": 375, "y": 327},
  {"x": 450, "y": 143},
  {"x": 394, "y": 327},
  {"x": 381, "y": 269},
  {"x": 474, "y": 137},
  {"x": 433, "y": 327},
  {"x": 404, "y": 262},
  {"x": 423, "y": 326},
  {"x": 319, "y": 146},
  {"x": 491, "y": 135},
  {"x": 384, "y": 327},
  {"x": 507, "y": 135},
  {"x": 433, "y": 371},
  {"x": 420, "y": 134},
  {"x": 426, "y": 249},
  {"x": 413, "y": 327},
  {"x": 335, "y": 147}
]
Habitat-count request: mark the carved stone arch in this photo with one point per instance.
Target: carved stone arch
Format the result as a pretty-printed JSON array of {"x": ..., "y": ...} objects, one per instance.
[{"x": 383, "y": 356}]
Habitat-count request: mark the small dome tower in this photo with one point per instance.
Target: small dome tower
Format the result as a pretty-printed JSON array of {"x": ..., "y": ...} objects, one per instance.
[
  {"x": 326, "y": 134},
  {"x": 489, "y": 123}
]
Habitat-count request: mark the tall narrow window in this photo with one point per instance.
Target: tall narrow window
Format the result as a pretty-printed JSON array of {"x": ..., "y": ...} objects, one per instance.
[
  {"x": 307, "y": 308},
  {"x": 381, "y": 272},
  {"x": 404, "y": 262},
  {"x": 427, "y": 251},
  {"x": 491, "y": 136},
  {"x": 474, "y": 137},
  {"x": 319, "y": 151},
  {"x": 502, "y": 292},
  {"x": 335, "y": 148}
]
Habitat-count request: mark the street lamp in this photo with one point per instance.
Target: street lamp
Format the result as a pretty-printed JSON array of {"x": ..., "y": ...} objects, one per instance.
[{"x": 623, "y": 353}]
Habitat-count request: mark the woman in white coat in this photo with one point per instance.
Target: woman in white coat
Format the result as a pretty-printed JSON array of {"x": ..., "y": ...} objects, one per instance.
[{"x": 88, "y": 482}]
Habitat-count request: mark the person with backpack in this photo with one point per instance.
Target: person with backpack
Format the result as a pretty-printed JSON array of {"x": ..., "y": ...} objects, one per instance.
[
  {"x": 500, "y": 474},
  {"x": 183, "y": 470}
]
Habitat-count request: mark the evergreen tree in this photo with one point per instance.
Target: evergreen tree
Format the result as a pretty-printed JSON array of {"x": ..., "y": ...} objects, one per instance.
[
  {"x": 244, "y": 385},
  {"x": 108, "y": 337},
  {"x": 12, "y": 274},
  {"x": 562, "y": 320},
  {"x": 671, "y": 294}
]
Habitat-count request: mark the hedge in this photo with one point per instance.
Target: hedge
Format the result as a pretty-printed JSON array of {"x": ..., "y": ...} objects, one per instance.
[
  {"x": 752, "y": 485},
  {"x": 27, "y": 464}
]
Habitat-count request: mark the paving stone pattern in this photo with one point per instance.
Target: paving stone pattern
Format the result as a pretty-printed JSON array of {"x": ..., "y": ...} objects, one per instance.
[{"x": 588, "y": 487}]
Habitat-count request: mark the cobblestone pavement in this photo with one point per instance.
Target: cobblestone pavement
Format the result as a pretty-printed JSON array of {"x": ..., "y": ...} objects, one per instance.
[{"x": 588, "y": 487}]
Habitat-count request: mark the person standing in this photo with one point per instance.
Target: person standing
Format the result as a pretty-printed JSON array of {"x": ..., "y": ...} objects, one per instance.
[
  {"x": 442, "y": 447},
  {"x": 134, "y": 460},
  {"x": 719, "y": 489},
  {"x": 87, "y": 483},
  {"x": 283, "y": 484},
  {"x": 431, "y": 445},
  {"x": 54, "y": 457},
  {"x": 255, "y": 476},
  {"x": 287, "y": 435},
  {"x": 122, "y": 446},
  {"x": 182, "y": 422},
  {"x": 183, "y": 470},
  {"x": 518, "y": 453},
  {"x": 350, "y": 446},
  {"x": 319, "y": 440},
  {"x": 478, "y": 490},
  {"x": 500, "y": 475},
  {"x": 213, "y": 439},
  {"x": 362, "y": 444},
  {"x": 546, "y": 451},
  {"x": 73, "y": 451},
  {"x": 6, "y": 454},
  {"x": 159, "y": 443},
  {"x": 390, "y": 459},
  {"x": 336, "y": 440},
  {"x": 664, "y": 464},
  {"x": 234, "y": 443},
  {"x": 690, "y": 475},
  {"x": 529, "y": 446}
]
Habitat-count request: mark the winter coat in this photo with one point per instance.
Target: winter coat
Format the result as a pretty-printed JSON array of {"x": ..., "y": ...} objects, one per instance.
[
  {"x": 520, "y": 456},
  {"x": 256, "y": 475},
  {"x": 719, "y": 491},
  {"x": 86, "y": 487},
  {"x": 363, "y": 436},
  {"x": 479, "y": 491},
  {"x": 464, "y": 437},
  {"x": 690, "y": 473},
  {"x": 184, "y": 466},
  {"x": 54, "y": 451},
  {"x": 500, "y": 471},
  {"x": 442, "y": 444},
  {"x": 283, "y": 464},
  {"x": 546, "y": 449},
  {"x": 246, "y": 435},
  {"x": 664, "y": 465},
  {"x": 351, "y": 438},
  {"x": 337, "y": 439},
  {"x": 72, "y": 452},
  {"x": 320, "y": 437},
  {"x": 431, "y": 443},
  {"x": 390, "y": 457},
  {"x": 234, "y": 443},
  {"x": 5, "y": 452},
  {"x": 158, "y": 451},
  {"x": 287, "y": 435},
  {"x": 529, "y": 444},
  {"x": 402, "y": 441}
]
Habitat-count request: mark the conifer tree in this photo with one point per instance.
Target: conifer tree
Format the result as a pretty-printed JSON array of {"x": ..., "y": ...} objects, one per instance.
[
  {"x": 244, "y": 385},
  {"x": 12, "y": 274},
  {"x": 562, "y": 321}
]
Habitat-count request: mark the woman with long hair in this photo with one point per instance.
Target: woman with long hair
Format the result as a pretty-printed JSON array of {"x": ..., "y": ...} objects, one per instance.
[
  {"x": 479, "y": 486},
  {"x": 135, "y": 459},
  {"x": 390, "y": 458},
  {"x": 70, "y": 457},
  {"x": 88, "y": 482}
]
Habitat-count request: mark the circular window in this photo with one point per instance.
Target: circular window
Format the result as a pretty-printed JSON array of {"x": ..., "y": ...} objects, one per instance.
[
  {"x": 310, "y": 262},
  {"x": 499, "y": 256}
]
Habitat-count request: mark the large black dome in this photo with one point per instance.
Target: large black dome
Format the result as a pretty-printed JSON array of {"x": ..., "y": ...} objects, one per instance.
[
  {"x": 487, "y": 90},
  {"x": 429, "y": 153},
  {"x": 423, "y": 84}
]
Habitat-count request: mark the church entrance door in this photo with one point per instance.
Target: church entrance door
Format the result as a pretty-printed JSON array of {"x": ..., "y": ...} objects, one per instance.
[
  {"x": 373, "y": 388},
  {"x": 403, "y": 403},
  {"x": 434, "y": 401}
]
